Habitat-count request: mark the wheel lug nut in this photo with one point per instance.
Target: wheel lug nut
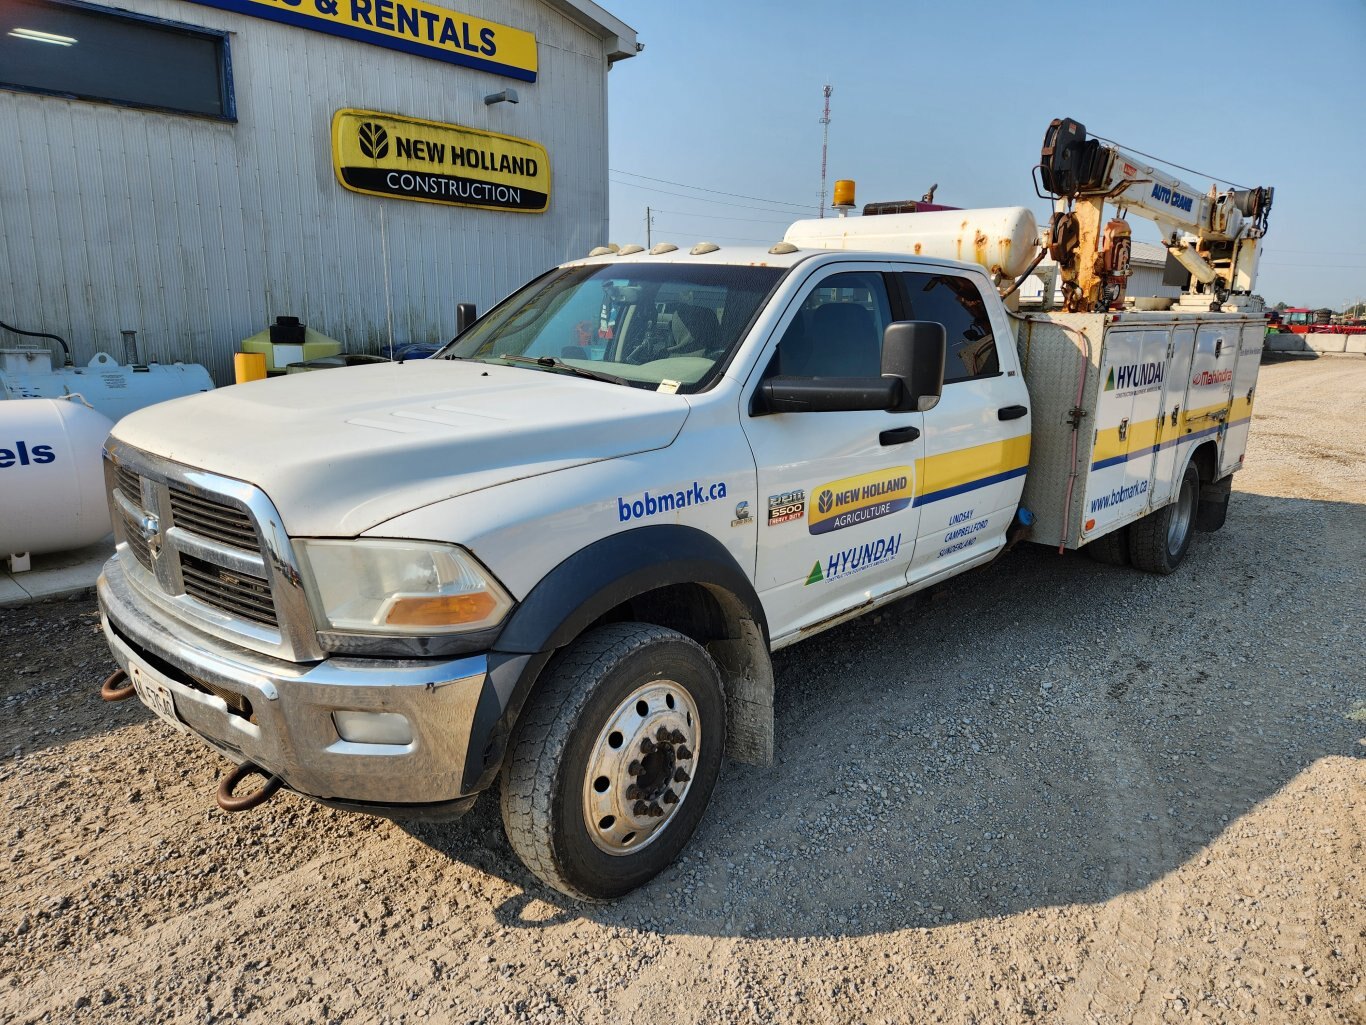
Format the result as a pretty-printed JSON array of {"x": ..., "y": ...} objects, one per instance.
[
  {"x": 647, "y": 746},
  {"x": 635, "y": 768},
  {"x": 681, "y": 776},
  {"x": 662, "y": 735},
  {"x": 677, "y": 736},
  {"x": 683, "y": 754},
  {"x": 656, "y": 810},
  {"x": 633, "y": 791},
  {"x": 640, "y": 809},
  {"x": 670, "y": 797}
]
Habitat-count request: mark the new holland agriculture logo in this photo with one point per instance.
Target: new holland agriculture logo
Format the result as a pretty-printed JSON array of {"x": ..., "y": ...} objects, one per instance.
[
  {"x": 854, "y": 500},
  {"x": 407, "y": 158}
]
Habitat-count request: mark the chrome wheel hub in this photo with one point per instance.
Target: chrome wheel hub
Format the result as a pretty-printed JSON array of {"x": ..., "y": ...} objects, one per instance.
[
  {"x": 640, "y": 769},
  {"x": 1180, "y": 523}
]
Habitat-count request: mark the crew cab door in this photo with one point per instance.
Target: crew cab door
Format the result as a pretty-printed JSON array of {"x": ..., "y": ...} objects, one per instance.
[
  {"x": 836, "y": 509},
  {"x": 977, "y": 436}
]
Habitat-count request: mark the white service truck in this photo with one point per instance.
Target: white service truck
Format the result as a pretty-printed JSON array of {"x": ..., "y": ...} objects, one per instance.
[{"x": 561, "y": 551}]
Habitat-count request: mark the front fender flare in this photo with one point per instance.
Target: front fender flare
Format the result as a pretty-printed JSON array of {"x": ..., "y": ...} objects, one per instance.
[
  {"x": 578, "y": 592},
  {"x": 608, "y": 572}
]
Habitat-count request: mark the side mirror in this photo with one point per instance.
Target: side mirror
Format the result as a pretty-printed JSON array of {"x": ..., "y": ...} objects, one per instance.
[
  {"x": 465, "y": 315},
  {"x": 913, "y": 353}
]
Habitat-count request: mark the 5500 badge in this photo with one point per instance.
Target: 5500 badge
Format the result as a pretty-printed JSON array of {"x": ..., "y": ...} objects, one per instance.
[{"x": 408, "y": 158}]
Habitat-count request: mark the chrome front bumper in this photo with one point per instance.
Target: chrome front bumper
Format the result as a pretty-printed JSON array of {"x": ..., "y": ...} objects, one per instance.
[{"x": 278, "y": 714}]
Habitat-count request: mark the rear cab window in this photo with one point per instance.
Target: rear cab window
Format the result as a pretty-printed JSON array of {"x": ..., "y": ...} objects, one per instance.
[{"x": 957, "y": 303}]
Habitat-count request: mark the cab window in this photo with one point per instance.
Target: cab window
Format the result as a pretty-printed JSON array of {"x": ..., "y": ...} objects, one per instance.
[
  {"x": 837, "y": 332},
  {"x": 956, "y": 303}
]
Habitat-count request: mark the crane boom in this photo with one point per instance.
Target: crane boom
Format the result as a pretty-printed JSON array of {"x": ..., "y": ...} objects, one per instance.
[{"x": 1214, "y": 235}]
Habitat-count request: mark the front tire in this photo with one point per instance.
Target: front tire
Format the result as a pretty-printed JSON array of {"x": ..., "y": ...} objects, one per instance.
[
  {"x": 614, "y": 760},
  {"x": 1159, "y": 541}
]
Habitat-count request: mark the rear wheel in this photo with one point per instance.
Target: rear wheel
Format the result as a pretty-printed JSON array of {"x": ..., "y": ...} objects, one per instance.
[
  {"x": 614, "y": 760},
  {"x": 1159, "y": 541},
  {"x": 1112, "y": 549}
]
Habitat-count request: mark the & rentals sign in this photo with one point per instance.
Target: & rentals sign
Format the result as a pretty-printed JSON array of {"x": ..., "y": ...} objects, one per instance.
[
  {"x": 407, "y": 158},
  {"x": 412, "y": 26}
]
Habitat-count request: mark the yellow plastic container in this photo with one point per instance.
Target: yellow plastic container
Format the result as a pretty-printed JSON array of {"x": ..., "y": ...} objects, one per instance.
[
  {"x": 288, "y": 341},
  {"x": 249, "y": 366}
]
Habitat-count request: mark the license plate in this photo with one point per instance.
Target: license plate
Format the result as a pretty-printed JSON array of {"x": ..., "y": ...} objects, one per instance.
[{"x": 154, "y": 694}]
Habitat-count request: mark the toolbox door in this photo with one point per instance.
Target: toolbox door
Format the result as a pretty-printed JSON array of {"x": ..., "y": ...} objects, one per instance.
[
  {"x": 1210, "y": 389},
  {"x": 1244, "y": 391},
  {"x": 1133, "y": 369},
  {"x": 1168, "y": 436}
]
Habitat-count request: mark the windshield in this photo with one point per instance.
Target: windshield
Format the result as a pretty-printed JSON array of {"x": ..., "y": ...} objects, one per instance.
[{"x": 662, "y": 326}]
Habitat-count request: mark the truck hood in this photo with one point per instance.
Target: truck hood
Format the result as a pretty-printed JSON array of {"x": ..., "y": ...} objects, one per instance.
[{"x": 340, "y": 451}]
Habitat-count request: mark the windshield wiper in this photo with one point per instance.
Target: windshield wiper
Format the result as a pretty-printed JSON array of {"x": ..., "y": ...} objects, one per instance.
[{"x": 559, "y": 364}]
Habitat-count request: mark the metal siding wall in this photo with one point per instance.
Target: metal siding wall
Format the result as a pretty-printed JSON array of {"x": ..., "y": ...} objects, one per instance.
[
  {"x": 196, "y": 233},
  {"x": 1147, "y": 280}
]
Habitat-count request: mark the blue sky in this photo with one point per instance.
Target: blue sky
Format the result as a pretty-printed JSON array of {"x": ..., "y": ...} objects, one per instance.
[{"x": 727, "y": 97}]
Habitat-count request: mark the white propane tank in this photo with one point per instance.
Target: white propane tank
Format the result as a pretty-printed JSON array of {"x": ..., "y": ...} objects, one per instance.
[
  {"x": 1003, "y": 239},
  {"x": 52, "y": 495},
  {"x": 113, "y": 389}
]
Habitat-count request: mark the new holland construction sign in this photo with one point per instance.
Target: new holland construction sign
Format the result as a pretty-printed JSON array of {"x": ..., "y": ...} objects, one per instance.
[{"x": 407, "y": 158}]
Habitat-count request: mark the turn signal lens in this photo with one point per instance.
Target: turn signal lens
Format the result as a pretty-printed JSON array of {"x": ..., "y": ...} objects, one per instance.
[{"x": 441, "y": 611}]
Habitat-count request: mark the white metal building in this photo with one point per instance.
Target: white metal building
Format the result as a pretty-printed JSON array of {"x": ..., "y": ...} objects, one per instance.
[
  {"x": 190, "y": 194},
  {"x": 1147, "y": 261}
]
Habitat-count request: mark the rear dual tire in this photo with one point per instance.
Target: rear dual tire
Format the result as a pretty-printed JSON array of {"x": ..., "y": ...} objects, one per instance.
[{"x": 1158, "y": 543}]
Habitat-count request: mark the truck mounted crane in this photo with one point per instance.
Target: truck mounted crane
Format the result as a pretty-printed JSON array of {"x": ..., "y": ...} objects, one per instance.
[{"x": 1214, "y": 235}]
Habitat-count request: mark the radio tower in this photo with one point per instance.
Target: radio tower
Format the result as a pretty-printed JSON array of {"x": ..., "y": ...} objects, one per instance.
[{"x": 825, "y": 145}]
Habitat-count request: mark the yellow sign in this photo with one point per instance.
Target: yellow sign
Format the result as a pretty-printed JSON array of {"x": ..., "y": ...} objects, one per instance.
[
  {"x": 854, "y": 500},
  {"x": 413, "y": 26},
  {"x": 406, "y": 158}
]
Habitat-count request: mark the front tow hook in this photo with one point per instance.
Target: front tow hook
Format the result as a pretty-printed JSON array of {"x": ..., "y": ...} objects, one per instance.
[
  {"x": 229, "y": 802},
  {"x": 116, "y": 687}
]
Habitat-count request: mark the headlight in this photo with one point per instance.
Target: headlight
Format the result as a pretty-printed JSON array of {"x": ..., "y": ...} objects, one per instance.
[{"x": 399, "y": 587}]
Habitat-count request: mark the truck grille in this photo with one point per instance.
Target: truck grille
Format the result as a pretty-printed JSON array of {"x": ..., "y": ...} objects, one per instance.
[
  {"x": 214, "y": 521},
  {"x": 209, "y": 551},
  {"x": 239, "y": 594},
  {"x": 191, "y": 562},
  {"x": 138, "y": 547},
  {"x": 130, "y": 484}
]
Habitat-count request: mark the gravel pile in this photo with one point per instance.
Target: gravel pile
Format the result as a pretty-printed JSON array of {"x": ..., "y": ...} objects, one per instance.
[{"x": 1049, "y": 791}]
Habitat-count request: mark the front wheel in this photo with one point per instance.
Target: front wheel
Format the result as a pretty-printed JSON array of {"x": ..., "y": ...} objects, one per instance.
[
  {"x": 1159, "y": 541},
  {"x": 614, "y": 760}
]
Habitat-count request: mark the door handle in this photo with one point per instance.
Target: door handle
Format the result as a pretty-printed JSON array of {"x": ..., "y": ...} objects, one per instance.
[
  {"x": 1011, "y": 412},
  {"x": 899, "y": 435}
]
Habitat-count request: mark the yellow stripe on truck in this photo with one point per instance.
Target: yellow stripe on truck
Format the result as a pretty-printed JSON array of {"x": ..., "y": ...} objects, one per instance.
[{"x": 953, "y": 473}]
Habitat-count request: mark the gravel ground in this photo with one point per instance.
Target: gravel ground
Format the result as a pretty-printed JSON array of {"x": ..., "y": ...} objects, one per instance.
[{"x": 1136, "y": 800}]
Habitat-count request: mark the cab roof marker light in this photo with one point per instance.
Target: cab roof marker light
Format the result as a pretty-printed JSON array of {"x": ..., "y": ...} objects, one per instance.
[
  {"x": 783, "y": 248},
  {"x": 631, "y": 250},
  {"x": 662, "y": 248},
  {"x": 702, "y": 248},
  {"x": 600, "y": 251}
]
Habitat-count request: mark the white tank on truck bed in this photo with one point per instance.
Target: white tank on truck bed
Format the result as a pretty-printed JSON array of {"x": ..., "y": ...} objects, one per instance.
[{"x": 1003, "y": 239}]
